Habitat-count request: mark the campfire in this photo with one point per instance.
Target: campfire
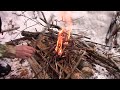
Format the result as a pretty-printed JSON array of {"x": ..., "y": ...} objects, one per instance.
[
  {"x": 64, "y": 55},
  {"x": 64, "y": 35}
]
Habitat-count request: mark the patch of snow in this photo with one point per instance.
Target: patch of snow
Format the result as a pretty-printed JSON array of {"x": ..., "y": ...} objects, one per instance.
[{"x": 101, "y": 73}]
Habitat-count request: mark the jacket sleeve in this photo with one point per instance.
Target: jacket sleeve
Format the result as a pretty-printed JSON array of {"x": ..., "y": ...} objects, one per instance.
[{"x": 7, "y": 51}]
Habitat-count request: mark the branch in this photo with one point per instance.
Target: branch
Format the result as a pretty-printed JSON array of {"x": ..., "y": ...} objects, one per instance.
[
  {"x": 16, "y": 41},
  {"x": 25, "y": 29},
  {"x": 98, "y": 43},
  {"x": 12, "y": 29},
  {"x": 48, "y": 23},
  {"x": 44, "y": 18},
  {"x": 28, "y": 18},
  {"x": 81, "y": 36}
]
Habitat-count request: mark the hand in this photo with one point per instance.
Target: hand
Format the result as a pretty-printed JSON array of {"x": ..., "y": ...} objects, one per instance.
[{"x": 24, "y": 51}]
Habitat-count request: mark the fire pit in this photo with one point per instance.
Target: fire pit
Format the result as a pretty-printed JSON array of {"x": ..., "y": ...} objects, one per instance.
[{"x": 63, "y": 55}]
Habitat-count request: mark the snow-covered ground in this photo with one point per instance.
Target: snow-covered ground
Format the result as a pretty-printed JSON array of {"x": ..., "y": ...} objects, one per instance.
[{"x": 93, "y": 24}]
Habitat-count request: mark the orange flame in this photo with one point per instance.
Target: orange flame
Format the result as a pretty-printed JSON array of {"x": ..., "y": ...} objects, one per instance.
[{"x": 64, "y": 34}]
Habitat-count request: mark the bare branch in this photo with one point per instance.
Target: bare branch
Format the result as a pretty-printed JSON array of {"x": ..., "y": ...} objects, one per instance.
[
  {"x": 25, "y": 29},
  {"x": 98, "y": 43},
  {"x": 29, "y": 18},
  {"x": 8, "y": 30},
  {"x": 44, "y": 18}
]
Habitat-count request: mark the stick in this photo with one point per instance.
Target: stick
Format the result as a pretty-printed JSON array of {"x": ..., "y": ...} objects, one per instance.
[
  {"x": 81, "y": 36},
  {"x": 30, "y": 34},
  {"x": 15, "y": 42},
  {"x": 7, "y": 30},
  {"x": 48, "y": 23},
  {"x": 44, "y": 18},
  {"x": 36, "y": 68},
  {"x": 97, "y": 43},
  {"x": 28, "y": 18},
  {"x": 68, "y": 76},
  {"x": 104, "y": 59}
]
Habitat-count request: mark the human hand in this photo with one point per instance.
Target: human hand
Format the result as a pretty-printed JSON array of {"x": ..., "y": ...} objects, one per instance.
[{"x": 24, "y": 51}]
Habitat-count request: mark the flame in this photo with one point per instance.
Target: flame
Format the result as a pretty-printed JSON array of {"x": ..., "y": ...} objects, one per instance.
[{"x": 64, "y": 33}]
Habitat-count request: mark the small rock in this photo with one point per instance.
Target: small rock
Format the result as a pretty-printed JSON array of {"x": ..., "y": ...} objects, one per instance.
[
  {"x": 76, "y": 76},
  {"x": 84, "y": 64},
  {"x": 24, "y": 72},
  {"x": 25, "y": 64},
  {"x": 87, "y": 71},
  {"x": 22, "y": 61}
]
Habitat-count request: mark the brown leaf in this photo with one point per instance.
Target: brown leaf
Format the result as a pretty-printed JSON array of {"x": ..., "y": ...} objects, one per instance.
[{"x": 24, "y": 72}]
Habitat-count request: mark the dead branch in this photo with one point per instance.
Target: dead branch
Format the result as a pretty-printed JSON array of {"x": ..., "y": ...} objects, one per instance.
[
  {"x": 36, "y": 67},
  {"x": 8, "y": 30},
  {"x": 48, "y": 23},
  {"x": 25, "y": 29},
  {"x": 30, "y": 34},
  {"x": 98, "y": 43},
  {"x": 104, "y": 59},
  {"x": 53, "y": 26},
  {"x": 45, "y": 20},
  {"x": 28, "y": 18},
  {"x": 81, "y": 36},
  {"x": 16, "y": 41}
]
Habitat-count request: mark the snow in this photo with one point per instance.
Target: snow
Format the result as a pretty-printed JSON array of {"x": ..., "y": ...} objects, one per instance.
[
  {"x": 101, "y": 73},
  {"x": 93, "y": 24}
]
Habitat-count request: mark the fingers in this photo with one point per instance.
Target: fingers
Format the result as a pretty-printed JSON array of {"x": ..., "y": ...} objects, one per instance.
[
  {"x": 29, "y": 51},
  {"x": 28, "y": 54},
  {"x": 24, "y": 51},
  {"x": 30, "y": 48}
]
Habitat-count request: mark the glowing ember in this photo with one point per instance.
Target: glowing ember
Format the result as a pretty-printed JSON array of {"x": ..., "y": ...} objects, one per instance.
[{"x": 64, "y": 34}]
